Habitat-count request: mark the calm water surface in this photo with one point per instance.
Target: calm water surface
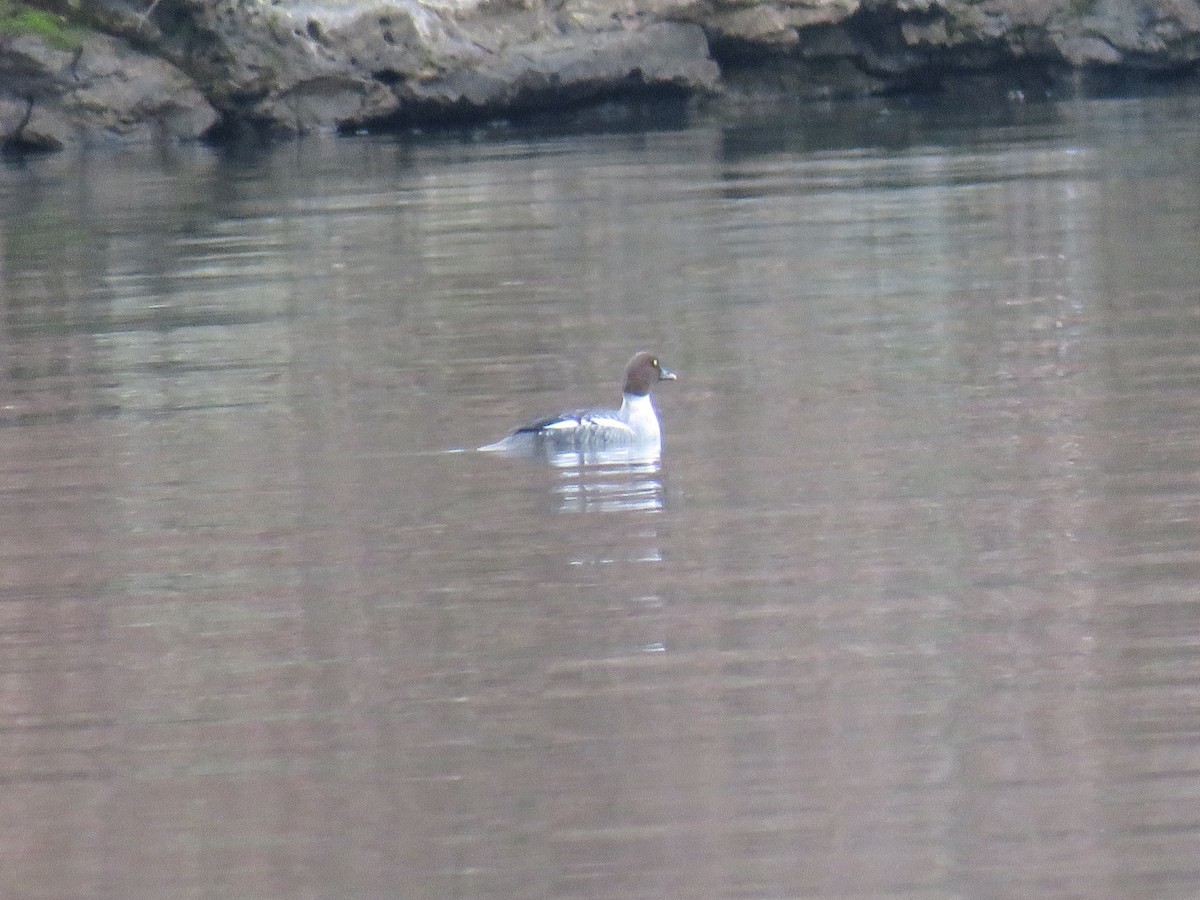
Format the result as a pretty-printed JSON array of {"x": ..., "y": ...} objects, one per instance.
[{"x": 909, "y": 609}]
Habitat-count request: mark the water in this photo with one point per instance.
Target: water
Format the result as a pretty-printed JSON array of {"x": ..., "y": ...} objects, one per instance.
[{"x": 909, "y": 608}]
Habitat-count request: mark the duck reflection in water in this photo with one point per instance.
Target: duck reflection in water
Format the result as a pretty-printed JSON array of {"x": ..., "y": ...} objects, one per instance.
[{"x": 608, "y": 480}]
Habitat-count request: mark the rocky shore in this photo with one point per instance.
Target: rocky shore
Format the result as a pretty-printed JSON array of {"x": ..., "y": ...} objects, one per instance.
[{"x": 112, "y": 71}]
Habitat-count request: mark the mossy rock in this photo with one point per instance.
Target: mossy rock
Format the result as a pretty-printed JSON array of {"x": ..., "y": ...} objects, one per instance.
[{"x": 19, "y": 20}]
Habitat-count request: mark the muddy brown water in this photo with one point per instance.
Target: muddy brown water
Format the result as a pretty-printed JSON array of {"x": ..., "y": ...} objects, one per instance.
[{"x": 910, "y": 608}]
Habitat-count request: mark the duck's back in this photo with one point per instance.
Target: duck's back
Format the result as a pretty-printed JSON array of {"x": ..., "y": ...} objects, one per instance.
[{"x": 577, "y": 430}]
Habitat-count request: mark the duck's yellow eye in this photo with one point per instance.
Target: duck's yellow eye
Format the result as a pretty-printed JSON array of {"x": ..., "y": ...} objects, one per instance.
[{"x": 654, "y": 362}]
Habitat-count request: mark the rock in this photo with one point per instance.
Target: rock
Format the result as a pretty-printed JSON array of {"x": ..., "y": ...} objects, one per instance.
[
  {"x": 1160, "y": 35},
  {"x": 132, "y": 96},
  {"x": 308, "y": 66},
  {"x": 898, "y": 44},
  {"x": 774, "y": 26},
  {"x": 566, "y": 68},
  {"x": 1087, "y": 50},
  {"x": 103, "y": 91},
  {"x": 289, "y": 66}
]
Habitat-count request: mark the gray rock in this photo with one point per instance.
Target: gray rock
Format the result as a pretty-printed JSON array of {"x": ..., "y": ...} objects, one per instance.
[
  {"x": 571, "y": 67},
  {"x": 102, "y": 92},
  {"x": 288, "y": 66},
  {"x": 345, "y": 65}
]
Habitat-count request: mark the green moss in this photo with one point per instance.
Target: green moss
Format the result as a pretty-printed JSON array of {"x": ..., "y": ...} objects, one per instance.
[{"x": 18, "y": 20}]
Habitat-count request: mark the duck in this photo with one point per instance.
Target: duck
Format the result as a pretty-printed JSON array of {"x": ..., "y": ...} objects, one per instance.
[{"x": 634, "y": 425}]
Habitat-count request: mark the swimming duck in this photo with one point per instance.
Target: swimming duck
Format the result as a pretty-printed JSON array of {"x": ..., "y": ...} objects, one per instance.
[{"x": 634, "y": 425}]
